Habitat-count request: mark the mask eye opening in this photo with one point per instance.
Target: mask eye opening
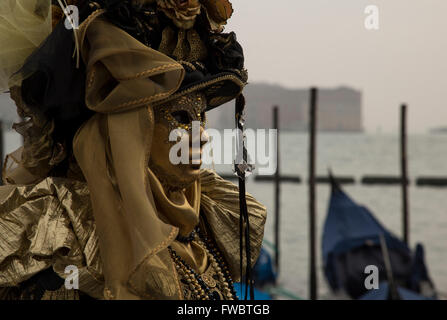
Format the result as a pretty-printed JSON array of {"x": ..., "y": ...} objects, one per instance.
[{"x": 181, "y": 117}]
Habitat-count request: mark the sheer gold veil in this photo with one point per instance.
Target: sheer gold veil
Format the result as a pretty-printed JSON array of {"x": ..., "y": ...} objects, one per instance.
[
  {"x": 112, "y": 149},
  {"x": 24, "y": 24}
]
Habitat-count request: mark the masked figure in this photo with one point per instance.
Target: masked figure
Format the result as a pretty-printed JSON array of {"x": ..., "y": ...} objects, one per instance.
[{"x": 92, "y": 205}]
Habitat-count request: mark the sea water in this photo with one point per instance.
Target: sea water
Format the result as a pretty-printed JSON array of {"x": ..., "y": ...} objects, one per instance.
[{"x": 357, "y": 155}]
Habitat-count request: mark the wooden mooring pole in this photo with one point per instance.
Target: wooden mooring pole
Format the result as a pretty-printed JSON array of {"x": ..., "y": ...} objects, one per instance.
[
  {"x": 404, "y": 173},
  {"x": 312, "y": 196},
  {"x": 277, "y": 189}
]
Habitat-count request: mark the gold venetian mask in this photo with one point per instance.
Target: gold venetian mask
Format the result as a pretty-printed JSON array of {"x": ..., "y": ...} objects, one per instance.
[{"x": 178, "y": 114}]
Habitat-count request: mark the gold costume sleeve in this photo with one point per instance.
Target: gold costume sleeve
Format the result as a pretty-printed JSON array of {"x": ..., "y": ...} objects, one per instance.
[{"x": 220, "y": 203}]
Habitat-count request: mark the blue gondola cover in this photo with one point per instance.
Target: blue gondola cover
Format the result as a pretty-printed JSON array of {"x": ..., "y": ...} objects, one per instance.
[
  {"x": 263, "y": 273},
  {"x": 351, "y": 241}
]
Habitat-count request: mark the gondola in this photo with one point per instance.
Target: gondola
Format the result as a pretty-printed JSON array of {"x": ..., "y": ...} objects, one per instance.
[{"x": 354, "y": 239}]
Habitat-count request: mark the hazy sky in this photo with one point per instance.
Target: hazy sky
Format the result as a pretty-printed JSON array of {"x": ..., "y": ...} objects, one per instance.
[{"x": 299, "y": 43}]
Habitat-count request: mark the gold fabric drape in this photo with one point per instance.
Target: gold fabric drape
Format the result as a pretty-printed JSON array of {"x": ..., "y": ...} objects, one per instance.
[
  {"x": 123, "y": 73},
  {"x": 51, "y": 224},
  {"x": 112, "y": 149}
]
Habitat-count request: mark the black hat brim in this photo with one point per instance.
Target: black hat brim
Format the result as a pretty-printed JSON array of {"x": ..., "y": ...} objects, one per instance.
[{"x": 218, "y": 88}]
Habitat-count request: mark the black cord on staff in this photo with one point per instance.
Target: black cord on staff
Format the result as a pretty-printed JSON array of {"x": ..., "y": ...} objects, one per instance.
[{"x": 244, "y": 224}]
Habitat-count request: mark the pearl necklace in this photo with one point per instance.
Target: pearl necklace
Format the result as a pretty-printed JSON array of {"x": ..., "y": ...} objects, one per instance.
[{"x": 202, "y": 286}]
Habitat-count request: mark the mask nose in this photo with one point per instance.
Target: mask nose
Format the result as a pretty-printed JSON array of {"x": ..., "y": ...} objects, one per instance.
[{"x": 199, "y": 139}]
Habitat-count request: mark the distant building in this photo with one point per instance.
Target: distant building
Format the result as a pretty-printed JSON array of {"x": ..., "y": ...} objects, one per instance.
[{"x": 339, "y": 109}]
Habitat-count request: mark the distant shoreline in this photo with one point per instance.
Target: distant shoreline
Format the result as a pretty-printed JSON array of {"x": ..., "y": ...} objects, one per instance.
[{"x": 442, "y": 130}]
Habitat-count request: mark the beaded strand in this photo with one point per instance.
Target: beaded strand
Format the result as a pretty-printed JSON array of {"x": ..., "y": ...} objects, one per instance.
[
  {"x": 195, "y": 282},
  {"x": 221, "y": 268}
]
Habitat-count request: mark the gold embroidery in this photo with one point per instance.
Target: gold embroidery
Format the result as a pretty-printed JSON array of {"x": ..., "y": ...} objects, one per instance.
[{"x": 194, "y": 104}]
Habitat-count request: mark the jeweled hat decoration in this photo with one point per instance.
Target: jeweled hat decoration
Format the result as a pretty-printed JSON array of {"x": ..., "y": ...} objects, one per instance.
[{"x": 191, "y": 32}]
